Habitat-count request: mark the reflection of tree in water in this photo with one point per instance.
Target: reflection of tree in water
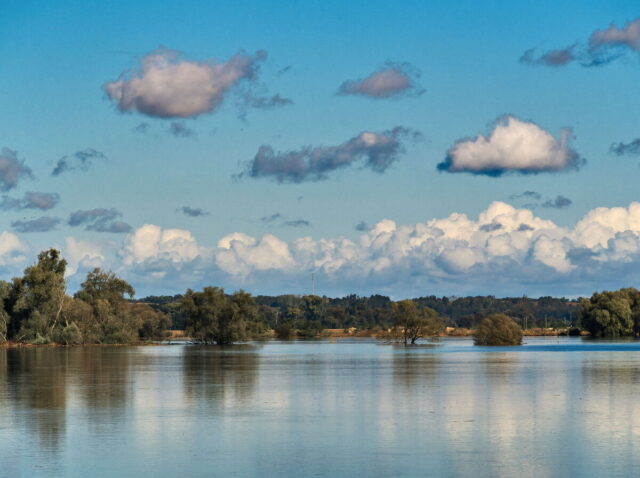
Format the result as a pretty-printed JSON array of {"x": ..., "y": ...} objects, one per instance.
[
  {"x": 220, "y": 375},
  {"x": 611, "y": 372},
  {"x": 414, "y": 367},
  {"x": 37, "y": 388},
  {"x": 103, "y": 377}
]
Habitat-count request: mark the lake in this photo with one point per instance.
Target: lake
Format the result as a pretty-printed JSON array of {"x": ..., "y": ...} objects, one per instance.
[{"x": 553, "y": 407}]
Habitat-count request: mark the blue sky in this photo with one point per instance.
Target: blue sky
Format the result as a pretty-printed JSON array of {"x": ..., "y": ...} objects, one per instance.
[{"x": 58, "y": 57}]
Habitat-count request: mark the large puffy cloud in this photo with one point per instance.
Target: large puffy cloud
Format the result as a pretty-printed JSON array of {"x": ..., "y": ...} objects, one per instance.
[
  {"x": 513, "y": 146},
  {"x": 376, "y": 151},
  {"x": 157, "y": 252},
  {"x": 602, "y": 47},
  {"x": 392, "y": 81},
  {"x": 166, "y": 85},
  {"x": 12, "y": 170},
  {"x": 81, "y": 254}
]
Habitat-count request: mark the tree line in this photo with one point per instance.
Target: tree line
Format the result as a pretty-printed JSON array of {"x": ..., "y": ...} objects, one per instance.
[{"x": 36, "y": 308}]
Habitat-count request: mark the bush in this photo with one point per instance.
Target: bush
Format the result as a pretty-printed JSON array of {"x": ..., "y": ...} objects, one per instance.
[
  {"x": 498, "y": 329},
  {"x": 283, "y": 332}
]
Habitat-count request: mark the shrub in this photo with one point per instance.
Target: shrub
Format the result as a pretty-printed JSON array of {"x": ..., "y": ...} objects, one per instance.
[
  {"x": 498, "y": 329},
  {"x": 283, "y": 332}
]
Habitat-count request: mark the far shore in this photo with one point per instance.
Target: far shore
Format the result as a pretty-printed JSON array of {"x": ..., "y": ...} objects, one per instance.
[{"x": 328, "y": 334}]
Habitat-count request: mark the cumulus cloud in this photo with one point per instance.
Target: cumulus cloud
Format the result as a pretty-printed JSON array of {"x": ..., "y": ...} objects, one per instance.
[
  {"x": 192, "y": 211},
  {"x": 31, "y": 200},
  {"x": 166, "y": 85},
  {"x": 602, "y": 47},
  {"x": 157, "y": 253},
  {"x": 82, "y": 255},
  {"x": 376, "y": 151},
  {"x": 12, "y": 170},
  {"x": 80, "y": 161},
  {"x": 41, "y": 224},
  {"x": 12, "y": 249},
  {"x": 99, "y": 220},
  {"x": 623, "y": 149},
  {"x": 391, "y": 81},
  {"x": 513, "y": 146},
  {"x": 511, "y": 249}
]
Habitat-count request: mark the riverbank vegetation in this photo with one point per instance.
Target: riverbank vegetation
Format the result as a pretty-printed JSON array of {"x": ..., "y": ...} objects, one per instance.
[
  {"x": 37, "y": 309},
  {"x": 498, "y": 329}
]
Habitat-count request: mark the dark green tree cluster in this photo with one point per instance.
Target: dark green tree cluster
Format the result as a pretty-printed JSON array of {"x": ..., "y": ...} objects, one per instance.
[
  {"x": 498, "y": 329},
  {"x": 35, "y": 308},
  {"x": 412, "y": 322},
  {"x": 612, "y": 314},
  {"x": 213, "y": 317}
]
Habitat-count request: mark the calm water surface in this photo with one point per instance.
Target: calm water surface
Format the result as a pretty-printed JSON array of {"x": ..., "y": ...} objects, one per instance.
[{"x": 554, "y": 407}]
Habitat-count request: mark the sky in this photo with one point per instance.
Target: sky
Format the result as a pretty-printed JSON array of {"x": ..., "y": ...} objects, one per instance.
[{"x": 406, "y": 148}]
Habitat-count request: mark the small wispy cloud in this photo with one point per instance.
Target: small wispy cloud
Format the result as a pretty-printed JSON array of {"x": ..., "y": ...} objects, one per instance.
[
  {"x": 180, "y": 130},
  {"x": 623, "y": 149},
  {"x": 602, "y": 47},
  {"x": 376, "y": 151},
  {"x": 80, "y": 161},
  {"x": 12, "y": 169},
  {"x": 42, "y": 224},
  {"x": 31, "y": 200},
  {"x": 99, "y": 220},
  {"x": 394, "y": 80},
  {"x": 192, "y": 211}
]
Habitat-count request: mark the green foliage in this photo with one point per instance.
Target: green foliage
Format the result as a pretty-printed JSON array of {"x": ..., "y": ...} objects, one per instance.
[
  {"x": 412, "y": 322},
  {"x": 283, "y": 332},
  {"x": 612, "y": 314},
  {"x": 111, "y": 320},
  {"x": 213, "y": 317},
  {"x": 498, "y": 329},
  {"x": 152, "y": 324},
  {"x": 36, "y": 300}
]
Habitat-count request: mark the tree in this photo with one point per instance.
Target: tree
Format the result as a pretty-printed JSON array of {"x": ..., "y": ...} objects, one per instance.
[
  {"x": 35, "y": 301},
  {"x": 153, "y": 324},
  {"x": 113, "y": 321},
  {"x": 4, "y": 316},
  {"x": 611, "y": 314},
  {"x": 412, "y": 323},
  {"x": 213, "y": 317},
  {"x": 498, "y": 329}
]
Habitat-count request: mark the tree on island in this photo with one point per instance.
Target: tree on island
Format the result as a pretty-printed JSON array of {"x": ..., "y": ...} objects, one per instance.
[
  {"x": 412, "y": 322},
  {"x": 612, "y": 314},
  {"x": 213, "y": 317},
  {"x": 498, "y": 329}
]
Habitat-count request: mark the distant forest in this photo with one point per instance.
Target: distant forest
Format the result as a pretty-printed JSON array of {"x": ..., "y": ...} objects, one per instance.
[{"x": 376, "y": 312}]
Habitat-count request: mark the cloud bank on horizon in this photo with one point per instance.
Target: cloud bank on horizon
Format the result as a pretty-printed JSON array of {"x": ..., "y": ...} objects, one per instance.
[{"x": 504, "y": 246}]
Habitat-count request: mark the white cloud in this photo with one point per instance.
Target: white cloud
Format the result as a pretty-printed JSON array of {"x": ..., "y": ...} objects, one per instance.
[
  {"x": 82, "y": 254},
  {"x": 168, "y": 86},
  {"x": 504, "y": 250},
  {"x": 12, "y": 249},
  {"x": 512, "y": 146}
]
